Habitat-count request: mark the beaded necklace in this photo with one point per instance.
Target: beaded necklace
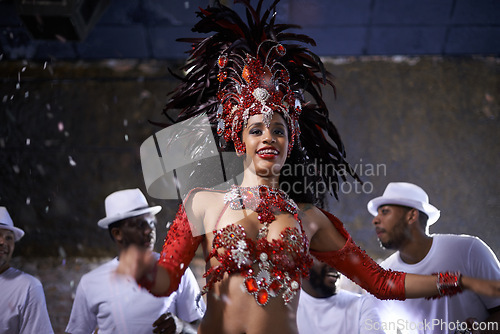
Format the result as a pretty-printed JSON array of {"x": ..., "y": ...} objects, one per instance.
[{"x": 263, "y": 200}]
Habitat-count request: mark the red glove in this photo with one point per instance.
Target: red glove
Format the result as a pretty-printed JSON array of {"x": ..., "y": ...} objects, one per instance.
[
  {"x": 354, "y": 263},
  {"x": 179, "y": 249}
]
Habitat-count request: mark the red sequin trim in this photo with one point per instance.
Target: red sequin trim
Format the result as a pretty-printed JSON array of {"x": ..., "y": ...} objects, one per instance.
[
  {"x": 448, "y": 284},
  {"x": 259, "y": 86},
  {"x": 280, "y": 263}
]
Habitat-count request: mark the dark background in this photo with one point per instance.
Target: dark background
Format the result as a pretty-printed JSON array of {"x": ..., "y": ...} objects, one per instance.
[
  {"x": 147, "y": 29},
  {"x": 418, "y": 87},
  {"x": 418, "y": 101}
]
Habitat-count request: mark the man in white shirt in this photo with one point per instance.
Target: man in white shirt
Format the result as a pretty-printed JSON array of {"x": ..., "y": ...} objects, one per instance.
[
  {"x": 116, "y": 304},
  {"x": 323, "y": 308},
  {"x": 22, "y": 300},
  {"x": 403, "y": 215}
]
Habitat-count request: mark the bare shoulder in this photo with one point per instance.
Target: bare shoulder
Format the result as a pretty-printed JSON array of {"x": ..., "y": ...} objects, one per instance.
[
  {"x": 202, "y": 205},
  {"x": 203, "y": 194},
  {"x": 202, "y": 199}
]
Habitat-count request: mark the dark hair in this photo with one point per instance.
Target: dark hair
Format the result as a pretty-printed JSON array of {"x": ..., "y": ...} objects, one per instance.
[
  {"x": 422, "y": 219},
  {"x": 296, "y": 176},
  {"x": 231, "y": 36},
  {"x": 113, "y": 225}
]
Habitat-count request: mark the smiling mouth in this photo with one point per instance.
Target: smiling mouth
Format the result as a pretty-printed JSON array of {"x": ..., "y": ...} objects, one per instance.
[
  {"x": 333, "y": 275},
  {"x": 268, "y": 151}
]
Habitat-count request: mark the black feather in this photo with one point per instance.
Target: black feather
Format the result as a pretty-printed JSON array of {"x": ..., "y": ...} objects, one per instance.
[{"x": 197, "y": 91}]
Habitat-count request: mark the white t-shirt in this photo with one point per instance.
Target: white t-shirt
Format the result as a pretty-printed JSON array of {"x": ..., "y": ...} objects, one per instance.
[
  {"x": 344, "y": 312},
  {"x": 467, "y": 254},
  {"x": 22, "y": 304},
  {"x": 116, "y": 304}
]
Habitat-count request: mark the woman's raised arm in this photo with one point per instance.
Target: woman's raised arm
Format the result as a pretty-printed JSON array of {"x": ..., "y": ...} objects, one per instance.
[{"x": 384, "y": 284}]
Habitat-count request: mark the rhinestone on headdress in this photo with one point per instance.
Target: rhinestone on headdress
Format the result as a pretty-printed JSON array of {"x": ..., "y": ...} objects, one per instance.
[{"x": 252, "y": 87}]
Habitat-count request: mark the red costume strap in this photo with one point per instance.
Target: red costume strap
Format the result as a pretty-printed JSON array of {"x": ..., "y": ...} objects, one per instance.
[
  {"x": 179, "y": 249},
  {"x": 354, "y": 263}
]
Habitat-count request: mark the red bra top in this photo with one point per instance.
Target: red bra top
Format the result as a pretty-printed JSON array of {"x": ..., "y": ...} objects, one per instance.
[{"x": 271, "y": 268}]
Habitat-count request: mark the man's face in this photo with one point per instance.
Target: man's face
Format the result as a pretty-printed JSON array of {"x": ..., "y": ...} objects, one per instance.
[
  {"x": 139, "y": 231},
  {"x": 7, "y": 241},
  {"x": 323, "y": 279},
  {"x": 391, "y": 226}
]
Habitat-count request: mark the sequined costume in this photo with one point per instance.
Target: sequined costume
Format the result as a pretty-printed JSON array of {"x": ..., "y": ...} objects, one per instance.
[
  {"x": 281, "y": 262},
  {"x": 271, "y": 268},
  {"x": 255, "y": 68}
]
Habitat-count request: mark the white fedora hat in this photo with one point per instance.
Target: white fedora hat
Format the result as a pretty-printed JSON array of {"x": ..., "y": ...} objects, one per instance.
[
  {"x": 7, "y": 224},
  {"x": 124, "y": 204},
  {"x": 406, "y": 194}
]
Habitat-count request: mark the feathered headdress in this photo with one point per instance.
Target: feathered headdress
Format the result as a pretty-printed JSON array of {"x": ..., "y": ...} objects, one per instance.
[{"x": 257, "y": 67}]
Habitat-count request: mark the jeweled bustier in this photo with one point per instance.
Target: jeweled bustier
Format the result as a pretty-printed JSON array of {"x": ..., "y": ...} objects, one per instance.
[{"x": 270, "y": 268}]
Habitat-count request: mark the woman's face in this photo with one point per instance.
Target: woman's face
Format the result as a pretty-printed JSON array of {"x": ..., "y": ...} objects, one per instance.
[{"x": 266, "y": 147}]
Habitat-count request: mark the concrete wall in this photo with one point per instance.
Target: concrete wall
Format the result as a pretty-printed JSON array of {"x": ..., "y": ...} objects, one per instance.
[
  {"x": 70, "y": 135},
  {"x": 430, "y": 121}
]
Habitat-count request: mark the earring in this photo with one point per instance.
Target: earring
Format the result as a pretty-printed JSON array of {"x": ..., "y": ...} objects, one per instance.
[{"x": 240, "y": 148}]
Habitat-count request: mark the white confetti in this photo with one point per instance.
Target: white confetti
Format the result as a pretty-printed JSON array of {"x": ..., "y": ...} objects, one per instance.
[{"x": 71, "y": 161}]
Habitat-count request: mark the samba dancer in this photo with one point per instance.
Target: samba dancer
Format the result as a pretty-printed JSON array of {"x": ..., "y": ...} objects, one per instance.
[{"x": 253, "y": 86}]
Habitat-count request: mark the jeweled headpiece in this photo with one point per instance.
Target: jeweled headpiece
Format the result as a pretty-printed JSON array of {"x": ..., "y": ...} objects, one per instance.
[
  {"x": 261, "y": 86},
  {"x": 258, "y": 67}
]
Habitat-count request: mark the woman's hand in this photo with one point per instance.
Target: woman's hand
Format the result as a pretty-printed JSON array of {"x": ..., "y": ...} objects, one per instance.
[
  {"x": 483, "y": 287},
  {"x": 168, "y": 323}
]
